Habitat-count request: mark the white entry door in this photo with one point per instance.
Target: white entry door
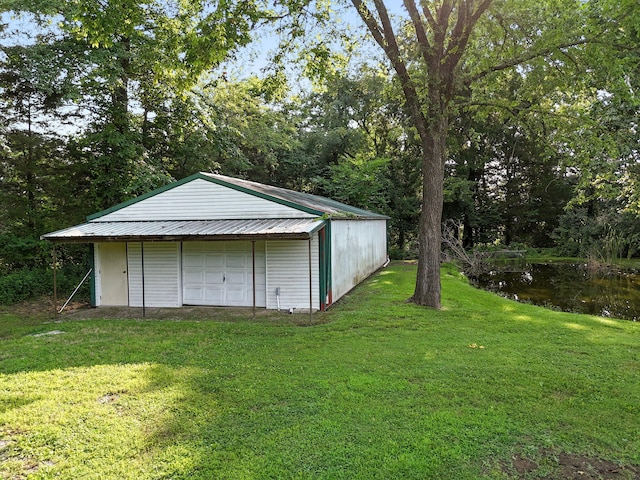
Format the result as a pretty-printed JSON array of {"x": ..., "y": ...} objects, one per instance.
[
  {"x": 112, "y": 274},
  {"x": 221, "y": 273}
]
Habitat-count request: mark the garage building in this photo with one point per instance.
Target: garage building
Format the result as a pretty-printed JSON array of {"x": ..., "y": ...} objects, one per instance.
[{"x": 221, "y": 241}]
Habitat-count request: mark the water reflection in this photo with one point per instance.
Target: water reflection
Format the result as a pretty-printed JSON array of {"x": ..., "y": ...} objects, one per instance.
[{"x": 570, "y": 287}]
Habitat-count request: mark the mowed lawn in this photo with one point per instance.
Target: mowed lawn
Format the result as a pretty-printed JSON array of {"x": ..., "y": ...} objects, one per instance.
[{"x": 377, "y": 388}]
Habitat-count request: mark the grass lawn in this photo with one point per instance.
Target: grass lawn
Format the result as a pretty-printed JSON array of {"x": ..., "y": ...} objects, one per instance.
[{"x": 377, "y": 389}]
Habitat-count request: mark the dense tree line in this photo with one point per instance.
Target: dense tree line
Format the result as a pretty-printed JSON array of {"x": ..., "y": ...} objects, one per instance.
[{"x": 541, "y": 144}]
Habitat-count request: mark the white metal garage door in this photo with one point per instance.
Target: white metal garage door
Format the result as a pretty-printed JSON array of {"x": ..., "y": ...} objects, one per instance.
[{"x": 221, "y": 273}]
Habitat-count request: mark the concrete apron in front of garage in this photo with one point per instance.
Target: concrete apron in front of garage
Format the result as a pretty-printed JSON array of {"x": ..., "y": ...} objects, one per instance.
[{"x": 298, "y": 316}]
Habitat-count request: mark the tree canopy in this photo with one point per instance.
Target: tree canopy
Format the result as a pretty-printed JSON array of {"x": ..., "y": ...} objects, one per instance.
[
  {"x": 445, "y": 53},
  {"x": 518, "y": 119}
]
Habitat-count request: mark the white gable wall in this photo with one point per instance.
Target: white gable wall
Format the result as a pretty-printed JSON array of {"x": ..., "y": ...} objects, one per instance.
[
  {"x": 202, "y": 200},
  {"x": 358, "y": 248},
  {"x": 288, "y": 269}
]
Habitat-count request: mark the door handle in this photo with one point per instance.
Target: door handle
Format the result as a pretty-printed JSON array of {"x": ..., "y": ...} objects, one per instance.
[{"x": 224, "y": 277}]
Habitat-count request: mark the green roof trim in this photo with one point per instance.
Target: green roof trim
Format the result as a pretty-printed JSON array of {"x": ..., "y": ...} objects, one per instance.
[
  {"x": 256, "y": 193},
  {"x": 305, "y": 202}
]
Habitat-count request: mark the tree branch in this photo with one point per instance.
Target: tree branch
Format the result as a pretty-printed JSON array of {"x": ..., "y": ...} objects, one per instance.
[
  {"x": 387, "y": 28},
  {"x": 370, "y": 22},
  {"x": 421, "y": 34},
  {"x": 444, "y": 12},
  {"x": 385, "y": 37},
  {"x": 524, "y": 58},
  {"x": 428, "y": 15},
  {"x": 467, "y": 19},
  {"x": 441, "y": 27}
]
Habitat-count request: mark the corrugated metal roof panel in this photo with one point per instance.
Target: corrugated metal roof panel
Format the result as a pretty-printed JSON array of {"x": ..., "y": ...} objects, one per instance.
[
  {"x": 314, "y": 202},
  {"x": 305, "y": 202},
  {"x": 188, "y": 229}
]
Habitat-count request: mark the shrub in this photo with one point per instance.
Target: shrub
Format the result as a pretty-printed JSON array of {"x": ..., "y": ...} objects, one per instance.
[
  {"x": 17, "y": 253},
  {"x": 20, "y": 285}
]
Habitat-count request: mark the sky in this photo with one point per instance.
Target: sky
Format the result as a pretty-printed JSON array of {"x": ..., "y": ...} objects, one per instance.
[{"x": 254, "y": 60}]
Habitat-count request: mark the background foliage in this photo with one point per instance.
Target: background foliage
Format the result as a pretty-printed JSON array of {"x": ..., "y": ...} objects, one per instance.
[{"x": 103, "y": 101}]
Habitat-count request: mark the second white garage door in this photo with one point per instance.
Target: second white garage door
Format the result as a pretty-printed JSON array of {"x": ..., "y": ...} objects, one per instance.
[{"x": 221, "y": 273}]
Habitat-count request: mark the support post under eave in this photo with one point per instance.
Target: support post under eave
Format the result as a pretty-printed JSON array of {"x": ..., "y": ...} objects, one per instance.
[
  {"x": 253, "y": 271},
  {"x": 144, "y": 306},
  {"x": 310, "y": 285},
  {"x": 55, "y": 280}
]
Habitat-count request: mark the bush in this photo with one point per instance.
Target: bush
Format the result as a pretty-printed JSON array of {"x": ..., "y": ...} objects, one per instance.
[
  {"x": 20, "y": 285},
  {"x": 18, "y": 253},
  {"x": 26, "y": 268}
]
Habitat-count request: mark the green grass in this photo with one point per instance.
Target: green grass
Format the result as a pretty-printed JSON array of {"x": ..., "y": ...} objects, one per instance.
[{"x": 380, "y": 389}]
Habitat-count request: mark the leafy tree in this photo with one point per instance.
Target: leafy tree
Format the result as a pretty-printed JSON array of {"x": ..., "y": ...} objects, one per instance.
[
  {"x": 506, "y": 184},
  {"x": 178, "y": 140},
  {"x": 135, "y": 56},
  {"x": 602, "y": 217},
  {"x": 447, "y": 53},
  {"x": 359, "y": 149},
  {"x": 441, "y": 53},
  {"x": 34, "y": 91},
  {"x": 359, "y": 181},
  {"x": 253, "y": 137}
]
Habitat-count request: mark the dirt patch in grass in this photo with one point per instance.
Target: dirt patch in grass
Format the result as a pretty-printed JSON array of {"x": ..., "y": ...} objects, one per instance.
[
  {"x": 38, "y": 307},
  {"x": 42, "y": 310},
  {"x": 43, "y": 307},
  {"x": 564, "y": 466},
  {"x": 221, "y": 314}
]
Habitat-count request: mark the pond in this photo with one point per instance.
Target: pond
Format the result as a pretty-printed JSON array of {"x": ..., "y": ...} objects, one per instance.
[{"x": 571, "y": 287}]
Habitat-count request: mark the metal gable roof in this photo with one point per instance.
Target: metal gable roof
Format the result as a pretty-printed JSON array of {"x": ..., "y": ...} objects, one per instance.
[
  {"x": 304, "y": 202},
  {"x": 315, "y": 203},
  {"x": 219, "y": 229},
  {"x": 257, "y": 229}
]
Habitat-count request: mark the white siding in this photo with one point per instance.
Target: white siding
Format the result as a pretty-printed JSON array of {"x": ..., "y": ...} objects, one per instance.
[
  {"x": 97, "y": 277},
  {"x": 288, "y": 269},
  {"x": 358, "y": 248},
  {"x": 202, "y": 200},
  {"x": 135, "y": 273},
  {"x": 162, "y": 278}
]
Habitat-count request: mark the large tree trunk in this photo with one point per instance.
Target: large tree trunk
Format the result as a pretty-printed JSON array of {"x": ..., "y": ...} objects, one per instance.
[
  {"x": 442, "y": 34},
  {"x": 427, "y": 291}
]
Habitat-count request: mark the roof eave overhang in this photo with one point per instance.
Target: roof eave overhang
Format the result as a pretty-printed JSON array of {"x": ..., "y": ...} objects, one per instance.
[{"x": 179, "y": 238}]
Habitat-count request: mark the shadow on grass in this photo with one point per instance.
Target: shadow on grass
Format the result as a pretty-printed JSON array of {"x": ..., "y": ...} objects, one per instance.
[
  {"x": 16, "y": 400},
  {"x": 384, "y": 390}
]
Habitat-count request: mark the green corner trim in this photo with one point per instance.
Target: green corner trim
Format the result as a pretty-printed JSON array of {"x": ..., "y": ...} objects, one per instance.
[
  {"x": 328, "y": 262},
  {"x": 92, "y": 277},
  {"x": 324, "y": 258}
]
